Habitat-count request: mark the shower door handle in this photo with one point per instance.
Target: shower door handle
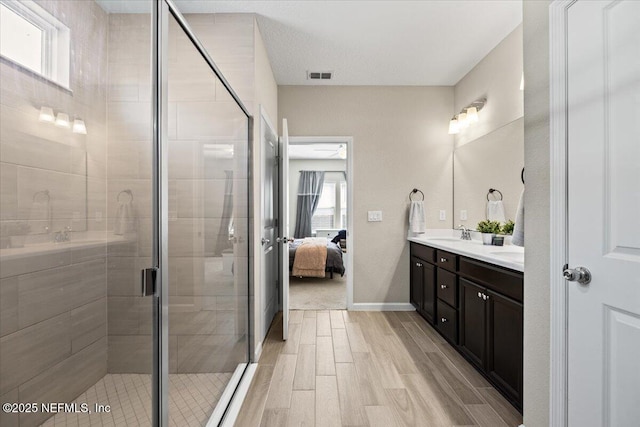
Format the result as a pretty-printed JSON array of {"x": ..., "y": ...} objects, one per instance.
[{"x": 149, "y": 281}]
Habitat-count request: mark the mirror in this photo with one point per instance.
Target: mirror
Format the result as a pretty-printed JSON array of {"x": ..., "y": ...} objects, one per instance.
[{"x": 493, "y": 161}]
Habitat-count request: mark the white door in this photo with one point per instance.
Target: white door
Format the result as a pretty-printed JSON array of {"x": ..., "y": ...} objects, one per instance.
[
  {"x": 604, "y": 212},
  {"x": 284, "y": 226},
  {"x": 270, "y": 263}
]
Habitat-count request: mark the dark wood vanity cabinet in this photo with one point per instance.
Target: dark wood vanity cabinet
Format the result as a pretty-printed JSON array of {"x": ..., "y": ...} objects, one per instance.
[
  {"x": 422, "y": 294},
  {"x": 478, "y": 309}
]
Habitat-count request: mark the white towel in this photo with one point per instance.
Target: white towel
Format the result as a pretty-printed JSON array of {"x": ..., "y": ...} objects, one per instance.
[
  {"x": 495, "y": 211},
  {"x": 417, "y": 220},
  {"x": 518, "y": 229},
  {"x": 126, "y": 219}
]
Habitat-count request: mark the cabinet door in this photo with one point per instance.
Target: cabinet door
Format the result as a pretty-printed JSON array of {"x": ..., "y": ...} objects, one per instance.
[
  {"x": 504, "y": 340},
  {"x": 416, "y": 292},
  {"x": 429, "y": 292},
  {"x": 473, "y": 321}
]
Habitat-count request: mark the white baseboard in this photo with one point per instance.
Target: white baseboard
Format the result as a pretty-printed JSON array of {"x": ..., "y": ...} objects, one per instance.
[{"x": 382, "y": 306}]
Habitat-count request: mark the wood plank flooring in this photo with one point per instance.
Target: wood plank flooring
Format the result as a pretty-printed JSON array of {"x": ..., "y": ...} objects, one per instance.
[{"x": 346, "y": 368}]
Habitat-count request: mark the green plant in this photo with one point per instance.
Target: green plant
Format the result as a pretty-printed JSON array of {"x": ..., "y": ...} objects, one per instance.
[
  {"x": 487, "y": 226},
  {"x": 507, "y": 228}
]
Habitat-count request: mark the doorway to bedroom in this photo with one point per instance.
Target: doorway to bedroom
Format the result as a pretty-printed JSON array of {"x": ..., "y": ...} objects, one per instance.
[{"x": 320, "y": 218}]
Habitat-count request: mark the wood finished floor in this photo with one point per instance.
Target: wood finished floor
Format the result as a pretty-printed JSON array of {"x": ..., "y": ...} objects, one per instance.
[{"x": 346, "y": 368}]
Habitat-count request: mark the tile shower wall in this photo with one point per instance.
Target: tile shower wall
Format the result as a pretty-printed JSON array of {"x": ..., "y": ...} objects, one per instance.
[
  {"x": 53, "y": 327},
  {"x": 204, "y": 302}
]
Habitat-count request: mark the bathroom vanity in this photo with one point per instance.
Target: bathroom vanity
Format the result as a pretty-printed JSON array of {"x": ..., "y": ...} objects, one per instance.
[{"x": 472, "y": 294}]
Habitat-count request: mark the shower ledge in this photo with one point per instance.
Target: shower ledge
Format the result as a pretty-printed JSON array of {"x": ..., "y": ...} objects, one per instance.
[{"x": 87, "y": 241}]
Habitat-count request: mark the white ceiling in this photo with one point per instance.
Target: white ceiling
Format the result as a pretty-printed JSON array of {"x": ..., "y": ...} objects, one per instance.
[{"x": 420, "y": 42}]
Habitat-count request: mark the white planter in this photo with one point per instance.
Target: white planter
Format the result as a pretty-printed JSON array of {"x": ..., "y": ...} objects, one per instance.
[{"x": 487, "y": 238}]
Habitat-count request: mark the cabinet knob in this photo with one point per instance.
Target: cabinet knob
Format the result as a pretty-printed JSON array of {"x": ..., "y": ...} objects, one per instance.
[
  {"x": 479, "y": 294},
  {"x": 485, "y": 297},
  {"x": 443, "y": 286},
  {"x": 443, "y": 320},
  {"x": 443, "y": 260},
  {"x": 418, "y": 264}
]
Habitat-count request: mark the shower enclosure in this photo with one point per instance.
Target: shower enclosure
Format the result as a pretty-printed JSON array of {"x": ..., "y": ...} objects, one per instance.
[{"x": 124, "y": 217}]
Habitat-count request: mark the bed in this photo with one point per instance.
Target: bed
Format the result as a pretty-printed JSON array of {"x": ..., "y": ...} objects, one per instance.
[{"x": 334, "y": 263}]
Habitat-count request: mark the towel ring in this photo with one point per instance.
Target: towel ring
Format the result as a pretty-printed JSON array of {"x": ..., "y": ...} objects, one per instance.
[
  {"x": 493, "y": 190},
  {"x": 44, "y": 193},
  {"x": 414, "y": 191},
  {"x": 127, "y": 191}
]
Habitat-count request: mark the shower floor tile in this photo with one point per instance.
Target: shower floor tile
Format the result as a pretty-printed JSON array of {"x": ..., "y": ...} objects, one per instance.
[{"x": 192, "y": 398}]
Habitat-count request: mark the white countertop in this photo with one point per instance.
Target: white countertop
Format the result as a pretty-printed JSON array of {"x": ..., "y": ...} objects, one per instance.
[
  {"x": 80, "y": 240},
  {"x": 508, "y": 256}
]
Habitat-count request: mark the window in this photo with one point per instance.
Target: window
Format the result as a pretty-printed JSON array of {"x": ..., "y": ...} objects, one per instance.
[
  {"x": 332, "y": 206},
  {"x": 34, "y": 39}
]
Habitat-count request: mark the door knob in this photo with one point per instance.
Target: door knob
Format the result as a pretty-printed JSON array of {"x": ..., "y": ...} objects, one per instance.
[
  {"x": 578, "y": 274},
  {"x": 265, "y": 241},
  {"x": 284, "y": 240}
]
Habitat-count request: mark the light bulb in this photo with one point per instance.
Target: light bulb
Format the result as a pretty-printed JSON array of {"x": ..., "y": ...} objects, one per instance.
[
  {"x": 472, "y": 115},
  {"x": 79, "y": 127},
  {"x": 46, "y": 115},
  {"x": 454, "y": 127},
  {"x": 62, "y": 120},
  {"x": 462, "y": 120}
]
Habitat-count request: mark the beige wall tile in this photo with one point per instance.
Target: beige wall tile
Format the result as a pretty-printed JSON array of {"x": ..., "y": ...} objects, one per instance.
[
  {"x": 8, "y": 305},
  {"x": 88, "y": 324},
  {"x": 8, "y": 191},
  {"x": 30, "y": 351},
  {"x": 66, "y": 380}
]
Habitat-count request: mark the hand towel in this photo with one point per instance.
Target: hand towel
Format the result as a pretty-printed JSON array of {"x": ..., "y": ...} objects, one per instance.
[
  {"x": 495, "y": 211},
  {"x": 518, "y": 229},
  {"x": 126, "y": 219},
  {"x": 417, "y": 221}
]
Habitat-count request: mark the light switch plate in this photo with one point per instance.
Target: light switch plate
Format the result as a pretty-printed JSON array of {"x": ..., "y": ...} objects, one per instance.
[
  {"x": 463, "y": 215},
  {"x": 374, "y": 216},
  {"x": 443, "y": 215}
]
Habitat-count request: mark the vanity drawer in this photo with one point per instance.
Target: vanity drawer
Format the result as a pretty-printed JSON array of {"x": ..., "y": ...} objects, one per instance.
[
  {"x": 446, "y": 287},
  {"x": 425, "y": 253},
  {"x": 447, "y": 260},
  {"x": 447, "y": 321},
  {"x": 506, "y": 282}
]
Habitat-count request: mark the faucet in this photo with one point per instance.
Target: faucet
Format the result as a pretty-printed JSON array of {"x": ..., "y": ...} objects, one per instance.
[
  {"x": 62, "y": 235},
  {"x": 466, "y": 233}
]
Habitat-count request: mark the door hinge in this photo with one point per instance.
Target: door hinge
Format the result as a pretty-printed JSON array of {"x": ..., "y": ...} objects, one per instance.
[{"x": 149, "y": 276}]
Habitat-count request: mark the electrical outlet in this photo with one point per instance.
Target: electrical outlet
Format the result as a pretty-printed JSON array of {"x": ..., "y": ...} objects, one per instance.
[
  {"x": 374, "y": 216},
  {"x": 463, "y": 215},
  {"x": 443, "y": 215}
]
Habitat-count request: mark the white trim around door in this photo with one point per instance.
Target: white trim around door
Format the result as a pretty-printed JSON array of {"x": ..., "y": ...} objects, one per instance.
[
  {"x": 348, "y": 141},
  {"x": 558, "y": 211}
]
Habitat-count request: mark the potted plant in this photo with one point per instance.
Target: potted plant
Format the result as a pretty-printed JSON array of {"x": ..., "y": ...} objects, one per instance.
[
  {"x": 488, "y": 229},
  {"x": 507, "y": 228}
]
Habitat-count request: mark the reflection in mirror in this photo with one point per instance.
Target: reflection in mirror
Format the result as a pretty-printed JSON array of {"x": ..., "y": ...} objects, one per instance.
[{"x": 493, "y": 161}]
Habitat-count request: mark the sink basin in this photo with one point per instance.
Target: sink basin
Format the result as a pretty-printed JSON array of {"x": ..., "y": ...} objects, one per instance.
[{"x": 512, "y": 255}]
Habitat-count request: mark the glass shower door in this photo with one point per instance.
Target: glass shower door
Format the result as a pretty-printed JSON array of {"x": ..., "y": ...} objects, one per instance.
[{"x": 208, "y": 225}]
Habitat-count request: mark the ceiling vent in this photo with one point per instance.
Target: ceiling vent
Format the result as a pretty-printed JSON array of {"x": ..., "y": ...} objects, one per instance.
[{"x": 319, "y": 75}]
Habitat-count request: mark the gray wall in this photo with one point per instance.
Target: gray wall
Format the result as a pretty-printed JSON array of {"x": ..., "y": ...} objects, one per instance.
[
  {"x": 400, "y": 143},
  {"x": 536, "y": 154}
]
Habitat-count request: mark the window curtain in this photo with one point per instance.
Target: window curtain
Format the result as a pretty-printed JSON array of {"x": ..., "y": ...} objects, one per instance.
[
  {"x": 223, "y": 240},
  {"x": 309, "y": 190}
]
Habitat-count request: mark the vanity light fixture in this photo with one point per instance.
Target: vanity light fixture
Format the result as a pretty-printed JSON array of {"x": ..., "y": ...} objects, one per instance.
[
  {"x": 62, "y": 120},
  {"x": 79, "y": 127},
  {"x": 454, "y": 127},
  {"x": 46, "y": 115},
  {"x": 467, "y": 116}
]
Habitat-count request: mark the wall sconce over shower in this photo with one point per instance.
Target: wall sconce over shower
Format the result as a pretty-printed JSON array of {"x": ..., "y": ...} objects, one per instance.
[
  {"x": 467, "y": 116},
  {"x": 61, "y": 120}
]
